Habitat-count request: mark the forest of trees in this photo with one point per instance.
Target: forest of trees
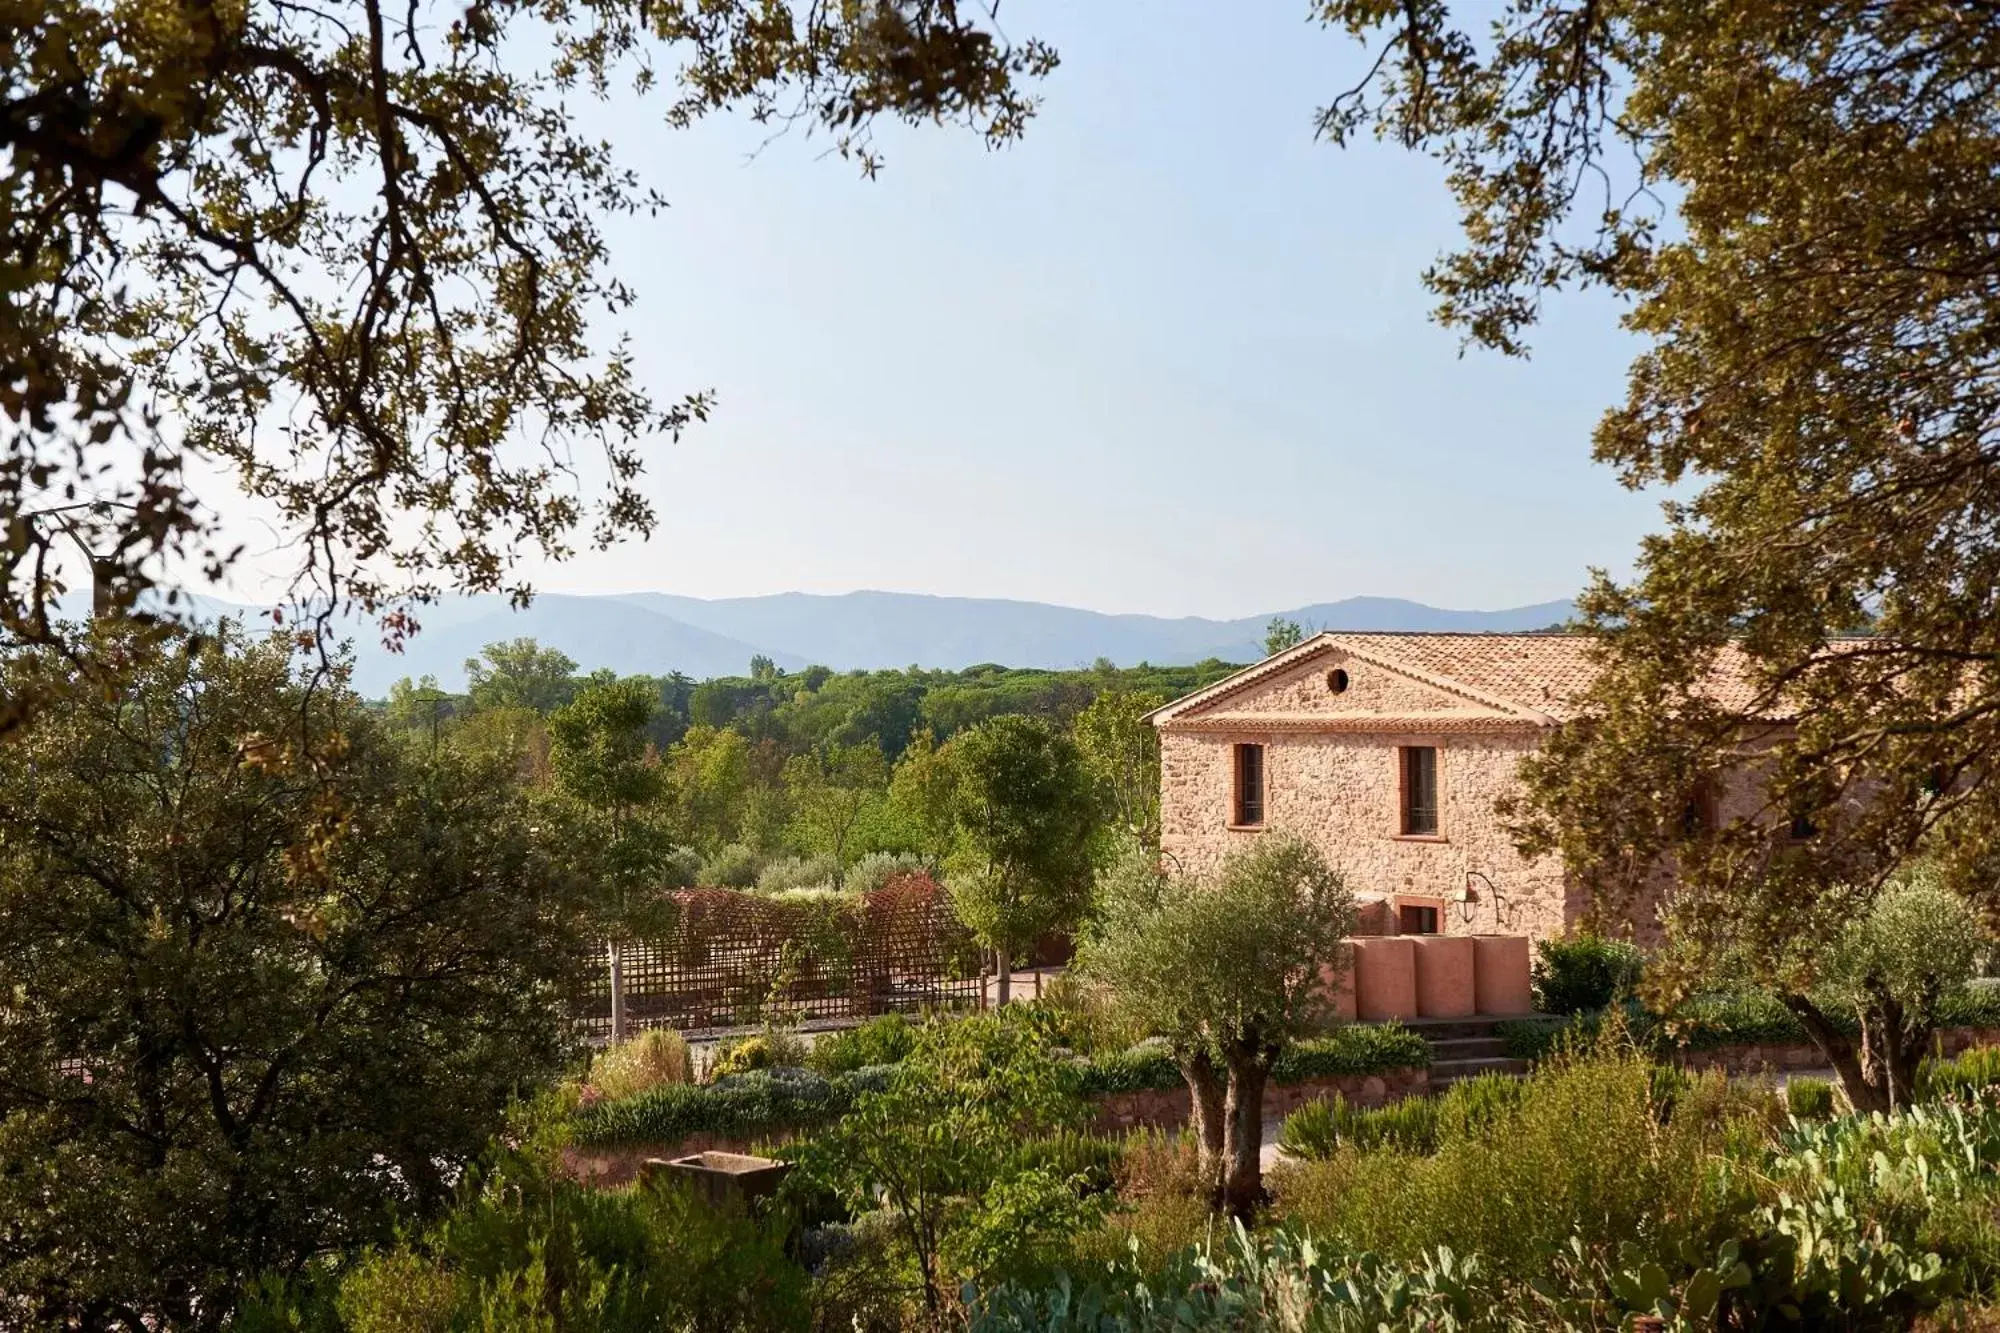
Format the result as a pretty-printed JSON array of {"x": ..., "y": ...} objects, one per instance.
[{"x": 796, "y": 777}]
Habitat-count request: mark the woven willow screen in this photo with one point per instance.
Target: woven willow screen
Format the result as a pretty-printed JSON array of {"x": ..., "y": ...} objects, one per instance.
[{"x": 727, "y": 958}]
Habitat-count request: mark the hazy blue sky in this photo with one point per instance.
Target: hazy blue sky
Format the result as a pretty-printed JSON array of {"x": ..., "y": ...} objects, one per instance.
[{"x": 1169, "y": 354}]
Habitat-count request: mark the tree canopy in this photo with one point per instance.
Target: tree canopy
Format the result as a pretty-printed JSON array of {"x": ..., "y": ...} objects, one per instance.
[
  {"x": 269, "y": 976},
  {"x": 1797, "y": 201},
  {"x": 352, "y": 255},
  {"x": 1230, "y": 969}
]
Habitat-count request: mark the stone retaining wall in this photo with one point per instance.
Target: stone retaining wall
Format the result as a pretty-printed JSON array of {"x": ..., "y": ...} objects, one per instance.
[
  {"x": 1167, "y": 1108},
  {"x": 1783, "y": 1057}
]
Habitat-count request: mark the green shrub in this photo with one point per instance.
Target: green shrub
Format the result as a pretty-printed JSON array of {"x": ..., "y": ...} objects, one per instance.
[
  {"x": 1970, "y": 1074},
  {"x": 1412, "y": 1125},
  {"x": 1318, "y": 1129},
  {"x": 1577, "y": 975},
  {"x": 886, "y": 1040},
  {"x": 1809, "y": 1098},
  {"x": 1081, "y": 1017},
  {"x": 1071, "y": 1154},
  {"x": 1470, "y": 1105},
  {"x": 1977, "y": 1006},
  {"x": 1349, "y": 1051},
  {"x": 654, "y": 1057},
  {"x": 1315, "y": 1130},
  {"x": 799, "y": 872},
  {"x": 1358, "y": 1050},
  {"x": 1582, "y": 1149},
  {"x": 1251, "y": 1281},
  {"x": 1143, "y": 1068},
  {"x": 1536, "y": 1038},
  {"x": 398, "y": 1292},
  {"x": 742, "y": 1106},
  {"x": 764, "y": 1050},
  {"x": 681, "y": 868},
  {"x": 876, "y": 869},
  {"x": 537, "y": 1251},
  {"x": 733, "y": 867},
  {"x": 959, "y": 1143}
]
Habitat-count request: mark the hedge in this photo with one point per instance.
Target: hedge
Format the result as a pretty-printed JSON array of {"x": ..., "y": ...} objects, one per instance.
[
  {"x": 742, "y": 1106},
  {"x": 773, "y": 1101},
  {"x": 1705, "y": 1023}
]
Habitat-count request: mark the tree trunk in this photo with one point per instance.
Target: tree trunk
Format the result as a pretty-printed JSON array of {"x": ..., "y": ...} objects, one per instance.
[
  {"x": 1205, "y": 1114},
  {"x": 1863, "y": 1094},
  {"x": 1243, "y": 1141},
  {"x": 617, "y": 962},
  {"x": 1003, "y": 965},
  {"x": 1891, "y": 1048}
]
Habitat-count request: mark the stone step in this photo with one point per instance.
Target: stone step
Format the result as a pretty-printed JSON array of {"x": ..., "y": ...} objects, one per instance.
[
  {"x": 1453, "y": 1029},
  {"x": 1447, "y": 1072},
  {"x": 1467, "y": 1048}
]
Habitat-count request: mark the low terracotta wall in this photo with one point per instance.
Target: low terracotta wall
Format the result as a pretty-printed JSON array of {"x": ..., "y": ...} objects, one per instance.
[
  {"x": 1167, "y": 1108},
  {"x": 1782, "y": 1057},
  {"x": 1398, "y": 978}
]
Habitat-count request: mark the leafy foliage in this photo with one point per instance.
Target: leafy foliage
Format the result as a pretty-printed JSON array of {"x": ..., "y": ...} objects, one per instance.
[
  {"x": 1585, "y": 972},
  {"x": 942, "y": 1144},
  {"x": 652, "y": 1059},
  {"x": 269, "y": 978},
  {"x": 886, "y": 1040},
  {"x": 1228, "y": 970},
  {"x": 358, "y": 258}
]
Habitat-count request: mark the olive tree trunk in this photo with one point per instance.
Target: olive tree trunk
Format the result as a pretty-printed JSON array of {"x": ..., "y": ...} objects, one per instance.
[
  {"x": 1878, "y": 1070},
  {"x": 1205, "y": 1113},
  {"x": 1243, "y": 1137}
]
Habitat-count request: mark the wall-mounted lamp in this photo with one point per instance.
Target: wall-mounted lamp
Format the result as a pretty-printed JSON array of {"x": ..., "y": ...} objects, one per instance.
[{"x": 1468, "y": 900}]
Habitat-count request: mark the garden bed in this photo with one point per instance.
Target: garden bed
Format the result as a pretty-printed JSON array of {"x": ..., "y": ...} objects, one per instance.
[
  {"x": 1168, "y": 1108},
  {"x": 1139, "y": 1087},
  {"x": 1746, "y": 1033}
]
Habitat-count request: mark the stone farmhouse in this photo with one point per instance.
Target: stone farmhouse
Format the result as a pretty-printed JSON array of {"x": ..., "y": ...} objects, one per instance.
[{"x": 1388, "y": 751}]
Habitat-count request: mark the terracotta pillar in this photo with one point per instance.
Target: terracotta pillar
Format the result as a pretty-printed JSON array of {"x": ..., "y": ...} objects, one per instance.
[
  {"x": 1385, "y": 978},
  {"x": 1445, "y": 987},
  {"x": 1338, "y": 981},
  {"x": 1500, "y": 971}
]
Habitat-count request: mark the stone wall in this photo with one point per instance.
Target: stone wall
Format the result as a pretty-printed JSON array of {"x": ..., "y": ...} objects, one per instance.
[
  {"x": 1167, "y": 1108},
  {"x": 1341, "y": 791},
  {"x": 1784, "y": 1057}
]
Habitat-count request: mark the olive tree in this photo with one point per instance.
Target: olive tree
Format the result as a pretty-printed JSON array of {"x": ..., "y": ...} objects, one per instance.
[
  {"x": 1229, "y": 969},
  {"x": 1890, "y": 969}
]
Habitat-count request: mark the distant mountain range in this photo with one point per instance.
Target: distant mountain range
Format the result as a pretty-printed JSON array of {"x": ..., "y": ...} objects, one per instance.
[{"x": 655, "y": 633}]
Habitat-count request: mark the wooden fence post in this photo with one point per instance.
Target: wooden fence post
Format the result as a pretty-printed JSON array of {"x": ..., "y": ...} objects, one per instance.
[{"x": 617, "y": 991}]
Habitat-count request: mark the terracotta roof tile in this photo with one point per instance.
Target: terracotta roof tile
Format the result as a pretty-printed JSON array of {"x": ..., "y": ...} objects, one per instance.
[{"x": 1538, "y": 676}]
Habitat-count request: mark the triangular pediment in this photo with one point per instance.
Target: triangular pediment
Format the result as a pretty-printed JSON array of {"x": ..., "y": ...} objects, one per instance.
[{"x": 1332, "y": 683}]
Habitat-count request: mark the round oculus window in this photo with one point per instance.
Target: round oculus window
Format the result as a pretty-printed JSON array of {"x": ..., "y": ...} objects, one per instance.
[{"x": 1336, "y": 680}]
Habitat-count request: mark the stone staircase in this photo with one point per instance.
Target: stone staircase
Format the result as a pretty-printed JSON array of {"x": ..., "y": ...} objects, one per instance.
[{"x": 1464, "y": 1048}]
